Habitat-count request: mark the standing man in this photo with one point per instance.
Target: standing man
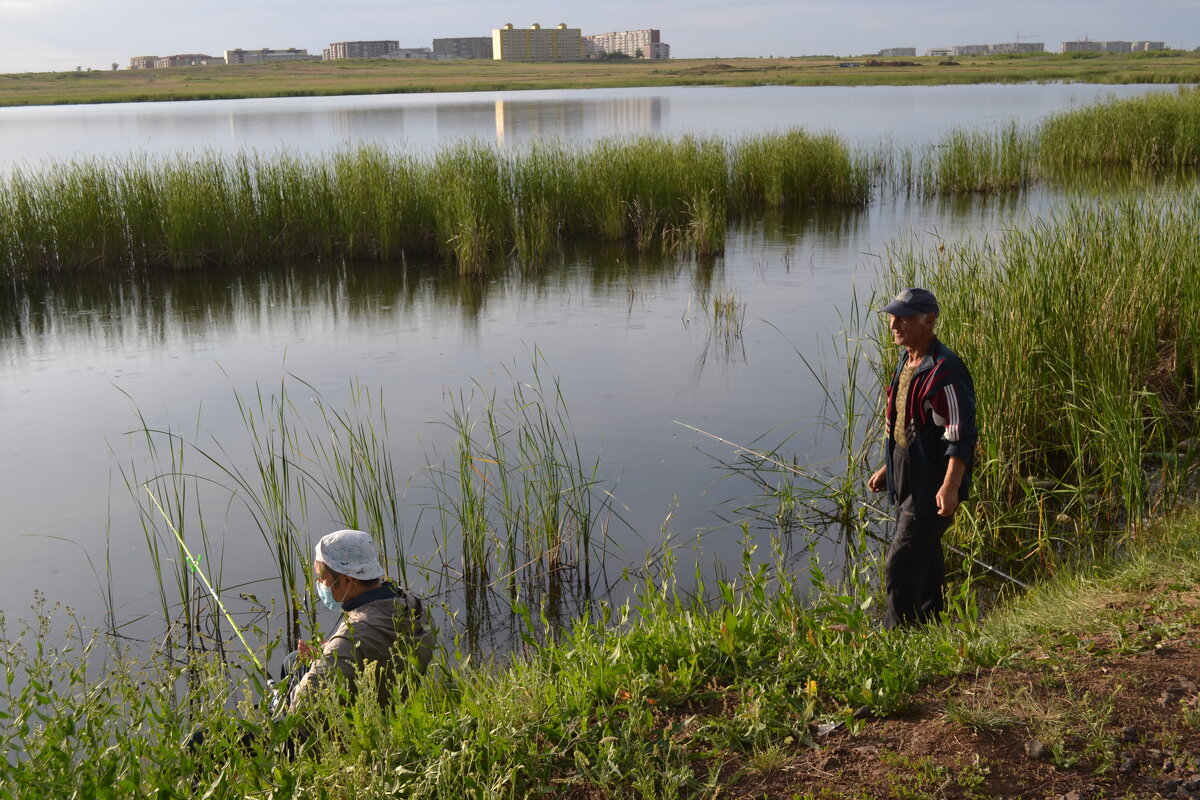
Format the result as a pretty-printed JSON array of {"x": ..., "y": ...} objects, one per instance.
[{"x": 930, "y": 452}]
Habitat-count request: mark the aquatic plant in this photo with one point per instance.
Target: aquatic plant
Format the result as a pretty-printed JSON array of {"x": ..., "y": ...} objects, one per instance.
[
  {"x": 472, "y": 203},
  {"x": 1155, "y": 133},
  {"x": 980, "y": 161}
]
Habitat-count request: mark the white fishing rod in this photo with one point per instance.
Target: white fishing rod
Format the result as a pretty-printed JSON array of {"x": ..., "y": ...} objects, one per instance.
[
  {"x": 194, "y": 565},
  {"x": 792, "y": 468}
]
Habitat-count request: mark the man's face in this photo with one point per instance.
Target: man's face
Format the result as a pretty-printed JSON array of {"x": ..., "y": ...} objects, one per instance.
[{"x": 913, "y": 332}]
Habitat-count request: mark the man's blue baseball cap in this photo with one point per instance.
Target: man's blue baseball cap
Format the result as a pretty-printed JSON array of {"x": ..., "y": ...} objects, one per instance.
[{"x": 911, "y": 302}]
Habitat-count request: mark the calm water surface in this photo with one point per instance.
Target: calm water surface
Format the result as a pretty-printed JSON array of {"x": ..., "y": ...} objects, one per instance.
[
  {"x": 35, "y": 135},
  {"x": 85, "y": 362}
]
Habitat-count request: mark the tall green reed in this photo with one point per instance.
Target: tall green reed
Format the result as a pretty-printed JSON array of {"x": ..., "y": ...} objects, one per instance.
[
  {"x": 527, "y": 507},
  {"x": 473, "y": 203},
  {"x": 1154, "y": 133}
]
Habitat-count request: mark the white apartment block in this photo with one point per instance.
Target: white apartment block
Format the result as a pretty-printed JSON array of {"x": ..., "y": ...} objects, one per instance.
[
  {"x": 265, "y": 55},
  {"x": 463, "y": 47},
  {"x": 1088, "y": 46},
  {"x": 988, "y": 49},
  {"x": 410, "y": 52},
  {"x": 897, "y": 52},
  {"x": 536, "y": 43},
  {"x": 376, "y": 49},
  {"x": 645, "y": 43}
]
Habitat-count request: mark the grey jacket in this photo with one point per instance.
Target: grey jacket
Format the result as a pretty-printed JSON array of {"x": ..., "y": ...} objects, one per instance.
[{"x": 387, "y": 626}]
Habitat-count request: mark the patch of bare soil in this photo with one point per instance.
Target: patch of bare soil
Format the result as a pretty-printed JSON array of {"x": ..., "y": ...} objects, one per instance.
[{"x": 1115, "y": 716}]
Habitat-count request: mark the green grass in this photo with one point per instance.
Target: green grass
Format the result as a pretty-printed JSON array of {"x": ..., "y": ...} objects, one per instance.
[{"x": 642, "y": 700}]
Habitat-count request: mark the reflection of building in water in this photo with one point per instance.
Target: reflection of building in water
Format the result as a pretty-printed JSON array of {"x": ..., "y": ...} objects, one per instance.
[
  {"x": 536, "y": 43},
  {"x": 524, "y": 120},
  {"x": 367, "y": 124},
  {"x": 645, "y": 43},
  {"x": 463, "y": 47}
]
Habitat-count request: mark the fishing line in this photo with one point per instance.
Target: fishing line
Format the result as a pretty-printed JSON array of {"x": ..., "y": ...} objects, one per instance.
[{"x": 796, "y": 470}]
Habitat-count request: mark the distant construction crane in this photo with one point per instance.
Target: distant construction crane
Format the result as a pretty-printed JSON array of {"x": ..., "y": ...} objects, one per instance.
[{"x": 1021, "y": 36}]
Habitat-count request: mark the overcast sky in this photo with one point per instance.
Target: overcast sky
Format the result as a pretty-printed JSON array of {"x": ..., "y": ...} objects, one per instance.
[{"x": 40, "y": 35}]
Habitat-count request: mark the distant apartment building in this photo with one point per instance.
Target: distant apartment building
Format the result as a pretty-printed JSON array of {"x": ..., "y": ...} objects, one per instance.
[
  {"x": 1088, "y": 46},
  {"x": 378, "y": 49},
  {"x": 463, "y": 47},
  {"x": 646, "y": 43},
  {"x": 180, "y": 60},
  {"x": 987, "y": 49},
  {"x": 266, "y": 55},
  {"x": 1009, "y": 48},
  {"x": 410, "y": 52},
  {"x": 898, "y": 52},
  {"x": 536, "y": 43}
]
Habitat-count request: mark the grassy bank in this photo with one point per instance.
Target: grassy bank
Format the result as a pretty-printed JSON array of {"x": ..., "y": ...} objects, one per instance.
[
  {"x": 352, "y": 77},
  {"x": 673, "y": 699}
]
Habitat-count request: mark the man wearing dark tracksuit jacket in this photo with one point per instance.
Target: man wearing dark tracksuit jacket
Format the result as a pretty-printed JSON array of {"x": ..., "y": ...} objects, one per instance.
[{"x": 930, "y": 452}]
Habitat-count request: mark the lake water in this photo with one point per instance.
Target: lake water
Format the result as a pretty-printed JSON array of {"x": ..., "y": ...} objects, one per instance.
[
  {"x": 34, "y": 135},
  {"x": 82, "y": 363}
]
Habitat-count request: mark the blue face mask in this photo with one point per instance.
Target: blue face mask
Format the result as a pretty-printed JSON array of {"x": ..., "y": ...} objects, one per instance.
[{"x": 326, "y": 594}]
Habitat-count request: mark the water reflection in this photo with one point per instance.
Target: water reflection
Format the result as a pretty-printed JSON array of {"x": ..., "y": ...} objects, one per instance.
[{"x": 134, "y": 312}]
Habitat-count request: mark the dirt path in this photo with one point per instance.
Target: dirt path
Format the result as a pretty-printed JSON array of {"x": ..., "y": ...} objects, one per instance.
[{"x": 1116, "y": 715}]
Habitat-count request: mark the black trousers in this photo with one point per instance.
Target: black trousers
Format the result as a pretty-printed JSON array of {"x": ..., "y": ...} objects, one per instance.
[{"x": 915, "y": 568}]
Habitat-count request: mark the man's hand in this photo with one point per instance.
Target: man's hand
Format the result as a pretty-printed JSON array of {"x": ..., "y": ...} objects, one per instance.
[
  {"x": 947, "y": 496},
  {"x": 878, "y": 480},
  {"x": 947, "y": 501}
]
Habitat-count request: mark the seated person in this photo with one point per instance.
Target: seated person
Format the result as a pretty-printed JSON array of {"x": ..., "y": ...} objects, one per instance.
[{"x": 381, "y": 622}]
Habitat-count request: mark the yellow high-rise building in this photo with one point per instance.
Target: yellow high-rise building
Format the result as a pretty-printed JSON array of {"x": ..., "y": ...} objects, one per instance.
[{"x": 536, "y": 43}]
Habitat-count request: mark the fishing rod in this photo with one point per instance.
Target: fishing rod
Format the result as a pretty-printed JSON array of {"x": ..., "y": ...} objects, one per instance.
[
  {"x": 796, "y": 470},
  {"x": 194, "y": 565}
]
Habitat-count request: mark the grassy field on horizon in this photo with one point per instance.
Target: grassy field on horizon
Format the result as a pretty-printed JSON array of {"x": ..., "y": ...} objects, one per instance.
[{"x": 379, "y": 76}]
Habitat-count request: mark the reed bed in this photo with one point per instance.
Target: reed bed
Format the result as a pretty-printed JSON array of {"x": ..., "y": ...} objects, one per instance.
[
  {"x": 1155, "y": 133},
  {"x": 517, "y": 494},
  {"x": 980, "y": 162},
  {"x": 472, "y": 203}
]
